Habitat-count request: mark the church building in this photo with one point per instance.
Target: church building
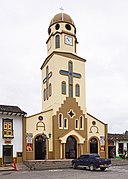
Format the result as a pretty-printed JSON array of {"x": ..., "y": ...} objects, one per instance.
[{"x": 64, "y": 129}]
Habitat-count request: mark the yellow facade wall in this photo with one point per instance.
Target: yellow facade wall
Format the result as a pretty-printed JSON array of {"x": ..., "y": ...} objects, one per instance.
[{"x": 31, "y": 123}]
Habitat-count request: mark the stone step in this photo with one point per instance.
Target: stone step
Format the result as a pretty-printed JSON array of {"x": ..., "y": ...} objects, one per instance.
[
  {"x": 48, "y": 164},
  {"x": 59, "y": 164}
]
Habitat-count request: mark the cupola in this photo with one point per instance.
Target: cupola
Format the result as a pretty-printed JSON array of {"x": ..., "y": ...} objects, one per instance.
[{"x": 62, "y": 34}]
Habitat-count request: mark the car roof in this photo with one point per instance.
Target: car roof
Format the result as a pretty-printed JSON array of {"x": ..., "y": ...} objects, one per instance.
[{"x": 90, "y": 154}]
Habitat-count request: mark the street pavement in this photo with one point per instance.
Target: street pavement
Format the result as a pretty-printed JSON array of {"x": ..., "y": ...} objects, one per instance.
[{"x": 114, "y": 172}]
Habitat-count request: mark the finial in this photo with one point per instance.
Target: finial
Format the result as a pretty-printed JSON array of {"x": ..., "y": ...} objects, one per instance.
[{"x": 61, "y": 8}]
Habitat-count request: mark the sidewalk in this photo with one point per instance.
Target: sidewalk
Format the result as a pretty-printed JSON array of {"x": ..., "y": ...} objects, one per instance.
[
  {"x": 10, "y": 167},
  {"x": 41, "y": 165},
  {"x": 7, "y": 168}
]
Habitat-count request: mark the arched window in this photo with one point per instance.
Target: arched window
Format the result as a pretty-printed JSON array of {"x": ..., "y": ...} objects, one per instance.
[
  {"x": 44, "y": 94},
  {"x": 77, "y": 90},
  {"x": 81, "y": 122},
  {"x": 63, "y": 87},
  {"x": 76, "y": 124},
  {"x": 60, "y": 120},
  {"x": 65, "y": 123},
  {"x": 57, "y": 41},
  {"x": 50, "y": 89}
]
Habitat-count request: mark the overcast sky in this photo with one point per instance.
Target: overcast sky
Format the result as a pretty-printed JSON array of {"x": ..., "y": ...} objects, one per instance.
[{"x": 102, "y": 32}]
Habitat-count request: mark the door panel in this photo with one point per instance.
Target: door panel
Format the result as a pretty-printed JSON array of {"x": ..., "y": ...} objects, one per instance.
[
  {"x": 40, "y": 147},
  {"x": 7, "y": 154},
  {"x": 71, "y": 147}
]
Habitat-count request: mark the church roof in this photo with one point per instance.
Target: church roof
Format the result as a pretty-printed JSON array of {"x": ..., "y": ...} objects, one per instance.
[
  {"x": 62, "y": 17},
  {"x": 11, "y": 109},
  {"x": 65, "y": 54},
  {"x": 95, "y": 118}
]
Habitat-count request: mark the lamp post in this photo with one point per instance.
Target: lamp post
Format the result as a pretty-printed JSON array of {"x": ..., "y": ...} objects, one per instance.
[
  {"x": 45, "y": 139},
  {"x": 46, "y": 136}
]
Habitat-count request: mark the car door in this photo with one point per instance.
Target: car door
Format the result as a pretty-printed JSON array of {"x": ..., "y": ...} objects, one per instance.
[
  {"x": 86, "y": 160},
  {"x": 82, "y": 160}
]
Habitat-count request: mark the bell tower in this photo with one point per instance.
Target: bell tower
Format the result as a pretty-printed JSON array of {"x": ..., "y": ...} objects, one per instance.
[
  {"x": 62, "y": 34},
  {"x": 63, "y": 72}
]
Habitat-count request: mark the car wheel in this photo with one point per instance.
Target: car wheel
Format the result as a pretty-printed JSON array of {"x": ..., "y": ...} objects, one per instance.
[
  {"x": 102, "y": 168},
  {"x": 92, "y": 167},
  {"x": 74, "y": 166}
]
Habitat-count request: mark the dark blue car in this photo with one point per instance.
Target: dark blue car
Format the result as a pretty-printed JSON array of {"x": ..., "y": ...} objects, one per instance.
[{"x": 91, "y": 161}]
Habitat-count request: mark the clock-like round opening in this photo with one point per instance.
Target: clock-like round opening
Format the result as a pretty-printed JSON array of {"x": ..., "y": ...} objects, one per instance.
[
  {"x": 57, "y": 26},
  {"x": 68, "y": 27}
]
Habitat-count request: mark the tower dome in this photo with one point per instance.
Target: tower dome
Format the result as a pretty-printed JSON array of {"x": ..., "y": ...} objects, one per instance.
[
  {"x": 61, "y": 34},
  {"x": 62, "y": 17}
]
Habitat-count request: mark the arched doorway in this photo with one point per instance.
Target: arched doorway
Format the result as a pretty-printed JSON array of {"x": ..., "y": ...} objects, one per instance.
[
  {"x": 71, "y": 148},
  {"x": 40, "y": 147},
  {"x": 93, "y": 145}
]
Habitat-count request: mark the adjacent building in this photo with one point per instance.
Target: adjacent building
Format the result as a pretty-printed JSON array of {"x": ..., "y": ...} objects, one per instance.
[
  {"x": 11, "y": 133},
  {"x": 118, "y": 144}
]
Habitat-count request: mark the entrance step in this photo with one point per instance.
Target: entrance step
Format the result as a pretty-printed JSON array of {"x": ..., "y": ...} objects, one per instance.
[{"x": 48, "y": 164}]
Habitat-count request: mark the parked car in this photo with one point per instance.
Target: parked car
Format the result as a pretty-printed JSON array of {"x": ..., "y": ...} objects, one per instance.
[{"x": 91, "y": 161}]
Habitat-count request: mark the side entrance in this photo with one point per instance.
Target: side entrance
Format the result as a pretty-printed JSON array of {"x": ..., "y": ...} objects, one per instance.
[
  {"x": 40, "y": 147},
  {"x": 7, "y": 154}
]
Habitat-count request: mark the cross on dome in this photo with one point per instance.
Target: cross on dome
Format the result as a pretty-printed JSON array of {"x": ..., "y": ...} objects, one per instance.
[{"x": 61, "y": 8}]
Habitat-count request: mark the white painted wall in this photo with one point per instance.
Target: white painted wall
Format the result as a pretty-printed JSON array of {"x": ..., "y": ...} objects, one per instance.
[{"x": 17, "y": 140}]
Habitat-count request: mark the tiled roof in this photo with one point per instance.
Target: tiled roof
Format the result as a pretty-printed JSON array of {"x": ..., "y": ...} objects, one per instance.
[
  {"x": 118, "y": 137},
  {"x": 11, "y": 109}
]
